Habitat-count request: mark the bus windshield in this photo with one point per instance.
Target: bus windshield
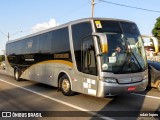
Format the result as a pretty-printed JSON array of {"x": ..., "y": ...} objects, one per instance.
[{"x": 126, "y": 52}]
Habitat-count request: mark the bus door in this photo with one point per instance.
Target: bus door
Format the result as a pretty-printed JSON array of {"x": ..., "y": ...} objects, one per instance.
[{"x": 89, "y": 66}]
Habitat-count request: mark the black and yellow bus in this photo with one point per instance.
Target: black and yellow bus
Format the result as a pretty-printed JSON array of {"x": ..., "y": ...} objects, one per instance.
[{"x": 95, "y": 56}]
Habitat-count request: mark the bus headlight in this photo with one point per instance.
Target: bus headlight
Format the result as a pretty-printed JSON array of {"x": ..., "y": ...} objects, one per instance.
[
  {"x": 110, "y": 80},
  {"x": 145, "y": 77}
]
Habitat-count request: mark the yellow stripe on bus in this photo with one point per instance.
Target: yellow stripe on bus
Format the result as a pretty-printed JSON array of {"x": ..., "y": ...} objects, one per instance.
[{"x": 58, "y": 61}]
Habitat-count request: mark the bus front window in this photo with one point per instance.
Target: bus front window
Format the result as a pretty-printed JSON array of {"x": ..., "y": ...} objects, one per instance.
[{"x": 126, "y": 52}]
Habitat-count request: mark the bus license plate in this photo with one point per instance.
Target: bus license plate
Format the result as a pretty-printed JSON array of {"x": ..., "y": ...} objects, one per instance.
[{"x": 131, "y": 88}]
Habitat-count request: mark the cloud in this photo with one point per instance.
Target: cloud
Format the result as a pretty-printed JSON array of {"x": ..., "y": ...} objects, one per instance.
[{"x": 42, "y": 26}]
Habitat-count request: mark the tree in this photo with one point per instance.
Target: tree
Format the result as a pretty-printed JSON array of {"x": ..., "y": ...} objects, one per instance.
[
  {"x": 156, "y": 29},
  {"x": 2, "y": 58}
]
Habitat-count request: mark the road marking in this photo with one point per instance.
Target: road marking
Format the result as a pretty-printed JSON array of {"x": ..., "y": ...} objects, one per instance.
[
  {"x": 146, "y": 96},
  {"x": 59, "y": 101}
]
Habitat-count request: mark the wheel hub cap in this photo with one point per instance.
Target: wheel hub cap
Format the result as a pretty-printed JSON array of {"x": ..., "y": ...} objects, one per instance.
[{"x": 65, "y": 85}]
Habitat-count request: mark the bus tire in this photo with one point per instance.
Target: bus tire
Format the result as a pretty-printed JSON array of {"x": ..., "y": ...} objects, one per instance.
[
  {"x": 17, "y": 74},
  {"x": 66, "y": 86}
]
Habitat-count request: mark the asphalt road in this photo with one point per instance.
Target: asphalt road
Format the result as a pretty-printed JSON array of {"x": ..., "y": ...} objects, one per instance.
[{"x": 26, "y": 97}]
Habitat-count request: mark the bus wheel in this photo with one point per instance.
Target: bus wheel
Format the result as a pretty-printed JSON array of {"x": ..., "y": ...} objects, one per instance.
[
  {"x": 17, "y": 75},
  {"x": 66, "y": 86},
  {"x": 158, "y": 86}
]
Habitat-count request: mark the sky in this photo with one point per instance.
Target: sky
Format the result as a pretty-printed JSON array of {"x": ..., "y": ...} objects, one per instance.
[{"x": 23, "y": 17}]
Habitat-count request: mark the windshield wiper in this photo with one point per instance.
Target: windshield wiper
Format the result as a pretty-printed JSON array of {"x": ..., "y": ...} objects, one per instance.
[
  {"x": 140, "y": 67},
  {"x": 129, "y": 52}
]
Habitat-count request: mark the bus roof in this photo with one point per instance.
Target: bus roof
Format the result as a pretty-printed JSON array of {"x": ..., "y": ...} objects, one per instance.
[{"x": 65, "y": 25}]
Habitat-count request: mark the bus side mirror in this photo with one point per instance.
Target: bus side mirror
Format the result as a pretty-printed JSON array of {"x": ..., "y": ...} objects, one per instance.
[{"x": 104, "y": 43}]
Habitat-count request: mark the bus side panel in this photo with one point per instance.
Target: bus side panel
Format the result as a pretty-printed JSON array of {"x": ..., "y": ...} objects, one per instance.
[
  {"x": 42, "y": 73},
  {"x": 48, "y": 73},
  {"x": 9, "y": 69}
]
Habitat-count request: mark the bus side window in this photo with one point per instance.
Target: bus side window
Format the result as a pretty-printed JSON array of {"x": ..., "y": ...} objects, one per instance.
[
  {"x": 79, "y": 31},
  {"x": 88, "y": 56}
]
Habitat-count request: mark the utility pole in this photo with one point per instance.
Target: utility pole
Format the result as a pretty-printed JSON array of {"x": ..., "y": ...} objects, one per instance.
[
  {"x": 93, "y": 8},
  {"x": 8, "y": 36}
]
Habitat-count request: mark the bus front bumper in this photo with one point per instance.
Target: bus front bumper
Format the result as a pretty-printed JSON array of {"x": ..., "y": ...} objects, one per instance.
[{"x": 111, "y": 89}]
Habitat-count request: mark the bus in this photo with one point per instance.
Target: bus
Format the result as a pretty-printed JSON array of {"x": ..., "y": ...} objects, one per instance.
[{"x": 81, "y": 56}]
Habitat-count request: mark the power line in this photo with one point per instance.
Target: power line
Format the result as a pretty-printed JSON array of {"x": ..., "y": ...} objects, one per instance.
[
  {"x": 78, "y": 8},
  {"x": 8, "y": 35},
  {"x": 3, "y": 33},
  {"x": 70, "y": 12},
  {"x": 74, "y": 10},
  {"x": 130, "y": 6},
  {"x": 93, "y": 3}
]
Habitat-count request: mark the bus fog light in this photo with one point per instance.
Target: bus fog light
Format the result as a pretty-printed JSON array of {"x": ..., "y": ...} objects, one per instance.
[
  {"x": 110, "y": 80},
  {"x": 145, "y": 77}
]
